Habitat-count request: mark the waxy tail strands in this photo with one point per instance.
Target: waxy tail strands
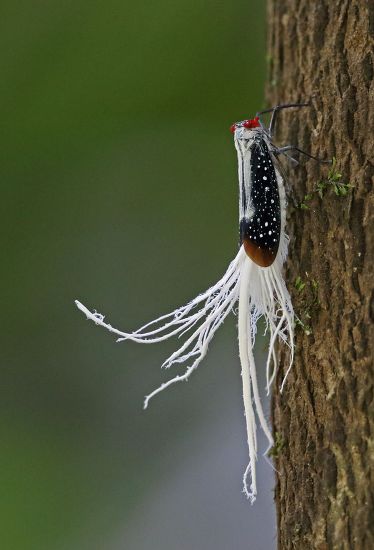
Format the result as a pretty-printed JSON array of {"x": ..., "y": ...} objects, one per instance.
[{"x": 253, "y": 280}]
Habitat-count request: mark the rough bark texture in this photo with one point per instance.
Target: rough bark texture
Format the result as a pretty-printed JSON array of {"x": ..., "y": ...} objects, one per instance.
[{"x": 322, "y": 51}]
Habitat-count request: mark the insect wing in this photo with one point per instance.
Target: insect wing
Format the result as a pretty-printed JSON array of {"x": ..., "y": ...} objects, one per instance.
[{"x": 260, "y": 234}]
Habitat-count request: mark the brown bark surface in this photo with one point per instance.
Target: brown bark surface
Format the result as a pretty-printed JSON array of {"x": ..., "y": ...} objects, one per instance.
[{"x": 322, "y": 51}]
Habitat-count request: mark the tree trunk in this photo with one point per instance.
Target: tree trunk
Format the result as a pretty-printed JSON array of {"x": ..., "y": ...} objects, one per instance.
[{"x": 322, "y": 51}]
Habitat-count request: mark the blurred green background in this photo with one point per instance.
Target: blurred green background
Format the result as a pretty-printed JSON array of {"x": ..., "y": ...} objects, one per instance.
[{"x": 118, "y": 178}]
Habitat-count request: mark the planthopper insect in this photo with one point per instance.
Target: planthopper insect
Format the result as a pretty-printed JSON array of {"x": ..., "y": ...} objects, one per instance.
[{"x": 253, "y": 280}]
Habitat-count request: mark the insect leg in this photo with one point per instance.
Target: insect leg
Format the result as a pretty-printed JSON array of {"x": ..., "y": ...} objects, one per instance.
[
  {"x": 276, "y": 109},
  {"x": 283, "y": 150},
  {"x": 294, "y": 161}
]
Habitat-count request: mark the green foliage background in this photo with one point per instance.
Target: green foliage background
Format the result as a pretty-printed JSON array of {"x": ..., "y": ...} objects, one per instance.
[{"x": 118, "y": 179}]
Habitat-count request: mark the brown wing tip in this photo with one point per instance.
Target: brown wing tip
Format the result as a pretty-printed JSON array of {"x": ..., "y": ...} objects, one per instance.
[{"x": 263, "y": 257}]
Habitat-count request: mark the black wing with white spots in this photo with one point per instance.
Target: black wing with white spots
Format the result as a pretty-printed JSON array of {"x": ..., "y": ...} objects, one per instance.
[{"x": 261, "y": 233}]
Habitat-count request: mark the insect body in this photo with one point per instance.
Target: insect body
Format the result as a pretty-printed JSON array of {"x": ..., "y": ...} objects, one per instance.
[{"x": 253, "y": 280}]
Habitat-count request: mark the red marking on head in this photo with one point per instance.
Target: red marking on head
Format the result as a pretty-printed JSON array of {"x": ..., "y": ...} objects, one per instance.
[
  {"x": 249, "y": 124},
  {"x": 252, "y": 123}
]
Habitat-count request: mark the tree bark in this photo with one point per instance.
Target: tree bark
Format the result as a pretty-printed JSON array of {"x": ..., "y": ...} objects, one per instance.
[{"x": 322, "y": 51}]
